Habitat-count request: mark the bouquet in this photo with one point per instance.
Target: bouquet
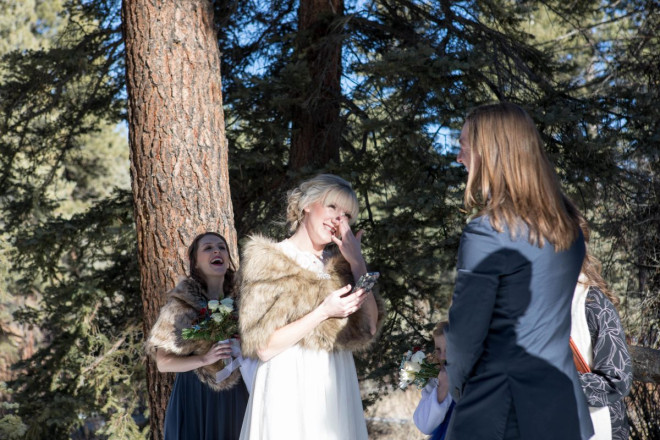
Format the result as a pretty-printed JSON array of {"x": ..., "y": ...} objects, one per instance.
[
  {"x": 218, "y": 321},
  {"x": 416, "y": 368}
]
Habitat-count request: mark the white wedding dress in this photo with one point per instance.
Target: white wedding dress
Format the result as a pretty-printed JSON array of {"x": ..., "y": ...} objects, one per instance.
[{"x": 303, "y": 394}]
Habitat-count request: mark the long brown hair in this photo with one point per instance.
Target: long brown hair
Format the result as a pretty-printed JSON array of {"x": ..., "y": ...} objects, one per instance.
[
  {"x": 592, "y": 268},
  {"x": 195, "y": 274},
  {"x": 511, "y": 179}
]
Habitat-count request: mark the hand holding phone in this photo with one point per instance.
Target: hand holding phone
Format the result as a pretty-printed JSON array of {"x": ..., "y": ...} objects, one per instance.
[{"x": 366, "y": 281}]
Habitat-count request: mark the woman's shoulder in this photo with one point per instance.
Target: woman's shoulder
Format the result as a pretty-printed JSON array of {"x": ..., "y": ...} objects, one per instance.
[
  {"x": 257, "y": 247},
  {"x": 480, "y": 230},
  {"x": 187, "y": 293},
  {"x": 263, "y": 258},
  {"x": 479, "y": 226},
  {"x": 597, "y": 300},
  {"x": 183, "y": 305},
  {"x": 483, "y": 225}
]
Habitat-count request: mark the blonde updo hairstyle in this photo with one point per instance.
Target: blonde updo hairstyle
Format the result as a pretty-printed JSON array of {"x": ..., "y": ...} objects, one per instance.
[{"x": 326, "y": 189}]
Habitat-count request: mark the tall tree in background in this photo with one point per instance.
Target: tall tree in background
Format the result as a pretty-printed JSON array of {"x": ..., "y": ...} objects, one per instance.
[
  {"x": 317, "y": 129},
  {"x": 288, "y": 115},
  {"x": 410, "y": 70},
  {"x": 18, "y": 342},
  {"x": 629, "y": 209},
  {"x": 67, "y": 220},
  {"x": 178, "y": 150}
]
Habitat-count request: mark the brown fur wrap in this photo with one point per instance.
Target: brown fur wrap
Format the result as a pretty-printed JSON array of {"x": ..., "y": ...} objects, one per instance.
[
  {"x": 184, "y": 304},
  {"x": 275, "y": 291}
]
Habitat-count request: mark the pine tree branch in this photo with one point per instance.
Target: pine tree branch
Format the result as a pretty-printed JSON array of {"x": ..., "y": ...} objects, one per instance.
[{"x": 101, "y": 358}]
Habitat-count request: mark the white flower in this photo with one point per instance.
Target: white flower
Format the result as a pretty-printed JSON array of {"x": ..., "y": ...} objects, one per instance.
[
  {"x": 411, "y": 367},
  {"x": 227, "y": 302},
  {"x": 418, "y": 357},
  {"x": 225, "y": 309},
  {"x": 404, "y": 382},
  {"x": 217, "y": 317},
  {"x": 213, "y": 304},
  {"x": 407, "y": 376}
]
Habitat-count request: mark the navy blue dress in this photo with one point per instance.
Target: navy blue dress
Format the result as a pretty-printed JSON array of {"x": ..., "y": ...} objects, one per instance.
[{"x": 196, "y": 412}]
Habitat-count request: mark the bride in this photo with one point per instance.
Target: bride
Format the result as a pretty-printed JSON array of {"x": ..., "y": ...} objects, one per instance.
[{"x": 299, "y": 317}]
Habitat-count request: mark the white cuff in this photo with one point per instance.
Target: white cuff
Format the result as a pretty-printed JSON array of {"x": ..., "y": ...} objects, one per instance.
[{"x": 430, "y": 413}]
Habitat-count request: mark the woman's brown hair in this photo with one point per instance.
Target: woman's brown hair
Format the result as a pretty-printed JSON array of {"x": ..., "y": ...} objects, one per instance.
[
  {"x": 195, "y": 274},
  {"x": 511, "y": 179},
  {"x": 592, "y": 268}
]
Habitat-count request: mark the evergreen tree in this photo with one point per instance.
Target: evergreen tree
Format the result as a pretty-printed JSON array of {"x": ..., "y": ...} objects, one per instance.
[
  {"x": 410, "y": 71},
  {"x": 178, "y": 151},
  {"x": 316, "y": 127},
  {"x": 18, "y": 31},
  {"x": 629, "y": 207},
  {"x": 71, "y": 241}
]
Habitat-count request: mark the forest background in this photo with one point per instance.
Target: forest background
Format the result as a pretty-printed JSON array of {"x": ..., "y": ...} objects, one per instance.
[{"x": 375, "y": 91}]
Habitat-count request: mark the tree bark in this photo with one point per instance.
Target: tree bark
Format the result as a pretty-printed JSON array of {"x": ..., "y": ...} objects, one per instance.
[
  {"x": 178, "y": 150},
  {"x": 317, "y": 127}
]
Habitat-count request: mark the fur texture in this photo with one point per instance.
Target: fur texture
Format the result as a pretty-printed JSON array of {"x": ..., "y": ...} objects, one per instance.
[
  {"x": 275, "y": 291},
  {"x": 183, "y": 306}
]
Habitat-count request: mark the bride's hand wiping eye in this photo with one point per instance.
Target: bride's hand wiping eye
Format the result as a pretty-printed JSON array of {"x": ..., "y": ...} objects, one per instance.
[{"x": 349, "y": 244}]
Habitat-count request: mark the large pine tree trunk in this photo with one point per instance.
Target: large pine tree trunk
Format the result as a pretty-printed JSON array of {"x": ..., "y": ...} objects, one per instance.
[
  {"x": 316, "y": 135},
  {"x": 178, "y": 150}
]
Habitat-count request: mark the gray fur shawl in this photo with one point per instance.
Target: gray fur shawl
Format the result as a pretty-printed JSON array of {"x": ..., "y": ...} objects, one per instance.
[
  {"x": 183, "y": 306},
  {"x": 275, "y": 291}
]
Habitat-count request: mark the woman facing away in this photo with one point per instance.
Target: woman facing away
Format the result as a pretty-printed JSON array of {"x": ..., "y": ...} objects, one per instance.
[
  {"x": 199, "y": 407},
  {"x": 509, "y": 363},
  {"x": 598, "y": 334},
  {"x": 299, "y": 317}
]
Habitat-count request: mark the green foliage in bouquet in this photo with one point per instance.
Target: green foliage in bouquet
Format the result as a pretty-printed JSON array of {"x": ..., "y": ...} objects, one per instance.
[
  {"x": 417, "y": 368},
  {"x": 217, "y": 321}
]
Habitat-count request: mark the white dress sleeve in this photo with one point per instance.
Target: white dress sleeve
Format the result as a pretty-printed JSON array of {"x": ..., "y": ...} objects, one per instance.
[{"x": 429, "y": 414}]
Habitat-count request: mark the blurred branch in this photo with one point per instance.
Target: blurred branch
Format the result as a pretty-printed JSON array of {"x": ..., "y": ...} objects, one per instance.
[{"x": 646, "y": 364}]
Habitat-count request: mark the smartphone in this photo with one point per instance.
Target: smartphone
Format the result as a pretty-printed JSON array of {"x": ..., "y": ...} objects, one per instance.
[{"x": 366, "y": 281}]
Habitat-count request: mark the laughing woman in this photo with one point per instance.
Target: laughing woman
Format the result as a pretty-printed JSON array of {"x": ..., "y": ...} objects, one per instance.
[
  {"x": 300, "y": 319},
  {"x": 199, "y": 407}
]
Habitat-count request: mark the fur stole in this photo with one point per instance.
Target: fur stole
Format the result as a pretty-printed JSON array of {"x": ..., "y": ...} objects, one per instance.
[
  {"x": 184, "y": 304},
  {"x": 275, "y": 291}
]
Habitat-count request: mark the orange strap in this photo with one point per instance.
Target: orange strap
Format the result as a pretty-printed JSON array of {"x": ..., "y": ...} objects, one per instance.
[{"x": 580, "y": 364}]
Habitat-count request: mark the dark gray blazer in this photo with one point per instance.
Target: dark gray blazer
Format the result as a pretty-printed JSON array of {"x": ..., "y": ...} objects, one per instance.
[{"x": 508, "y": 355}]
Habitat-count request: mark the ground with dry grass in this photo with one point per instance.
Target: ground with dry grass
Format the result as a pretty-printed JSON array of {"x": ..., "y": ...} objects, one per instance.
[{"x": 390, "y": 418}]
